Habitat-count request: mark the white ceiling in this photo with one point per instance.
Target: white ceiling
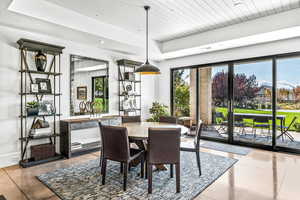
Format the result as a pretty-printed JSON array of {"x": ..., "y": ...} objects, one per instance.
[{"x": 171, "y": 19}]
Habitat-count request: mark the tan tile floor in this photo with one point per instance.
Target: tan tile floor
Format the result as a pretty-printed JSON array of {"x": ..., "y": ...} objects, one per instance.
[{"x": 261, "y": 175}]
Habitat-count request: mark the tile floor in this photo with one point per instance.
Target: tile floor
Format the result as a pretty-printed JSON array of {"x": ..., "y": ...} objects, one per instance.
[{"x": 261, "y": 175}]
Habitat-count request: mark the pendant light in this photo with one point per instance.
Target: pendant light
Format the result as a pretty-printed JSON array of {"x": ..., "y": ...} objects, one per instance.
[{"x": 147, "y": 68}]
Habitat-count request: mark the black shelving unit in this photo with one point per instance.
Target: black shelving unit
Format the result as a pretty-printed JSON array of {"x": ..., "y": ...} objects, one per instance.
[
  {"x": 123, "y": 67},
  {"x": 28, "y": 72}
]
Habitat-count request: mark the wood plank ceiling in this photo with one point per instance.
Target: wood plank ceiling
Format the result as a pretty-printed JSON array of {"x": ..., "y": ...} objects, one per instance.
[{"x": 170, "y": 19}]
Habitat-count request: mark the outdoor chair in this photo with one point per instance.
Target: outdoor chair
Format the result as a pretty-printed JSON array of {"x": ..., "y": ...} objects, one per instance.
[
  {"x": 239, "y": 123},
  {"x": 221, "y": 121},
  {"x": 262, "y": 123},
  {"x": 285, "y": 130}
]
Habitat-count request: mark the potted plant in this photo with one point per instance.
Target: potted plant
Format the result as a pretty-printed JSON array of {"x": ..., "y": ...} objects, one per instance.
[
  {"x": 32, "y": 108},
  {"x": 157, "y": 110}
]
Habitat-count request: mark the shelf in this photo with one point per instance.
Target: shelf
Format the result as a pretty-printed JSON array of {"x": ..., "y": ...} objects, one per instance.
[
  {"x": 130, "y": 110},
  {"x": 25, "y": 116},
  {"x": 39, "y": 72},
  {"x": 81, "y": 150},
  {"x": 38, "y": 138},
  {"x": 130, "y": 81},
  {"x": 30, "y": 162},
  {"x": 30, "y": 93},
  {"x": 136, "y": 95}
]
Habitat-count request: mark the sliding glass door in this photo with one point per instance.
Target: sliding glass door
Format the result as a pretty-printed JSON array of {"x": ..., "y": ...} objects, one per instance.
[
  {"x": 213, "y": 101},
  {"x": 252, "y": 102},
  {"x": 288, "y": 103}
]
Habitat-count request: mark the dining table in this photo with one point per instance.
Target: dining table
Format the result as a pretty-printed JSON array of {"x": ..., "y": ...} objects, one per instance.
[{"x": 138, "y": 133}]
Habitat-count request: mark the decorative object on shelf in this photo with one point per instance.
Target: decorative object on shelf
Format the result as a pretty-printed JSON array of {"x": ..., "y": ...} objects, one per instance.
[
  {"x": 129, "y": 76},
  {"x": 40, "y": 124},
  {"x": 40, "y": 61},
  {"x": 44, "y": 85},
  {"x": 34, "y": 88},
  {"x": 40, "y": 132},
  {"x": 42, "y": 151},
  {"x": 82, "y": 107},
  {"x": 32, "y": 108},
  {"x": 128, "y": 88},
  {"x": 147, "y": 68},
  {"x": 46, "y": 107},
  {"x": 82, "y": 93}
]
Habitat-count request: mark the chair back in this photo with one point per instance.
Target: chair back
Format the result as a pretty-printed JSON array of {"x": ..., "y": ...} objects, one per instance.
[
  {"x": 115, "y": 143},
  {"x": 198, "y": 134},
  {"x": 131, "y": 119},
  {"x": 261, "y": 119},
  {"x": 220, "y": 115},
  {"x": 292, "y": 122},
  {"x": 168, "y": 119},
  {"x": 164, "y": 145}
]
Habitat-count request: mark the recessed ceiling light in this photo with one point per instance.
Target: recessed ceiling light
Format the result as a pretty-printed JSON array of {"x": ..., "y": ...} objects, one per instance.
[{"x": 101, "y": 41}]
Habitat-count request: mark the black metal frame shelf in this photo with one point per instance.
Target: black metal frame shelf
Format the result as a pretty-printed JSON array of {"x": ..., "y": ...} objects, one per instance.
[
  {"x": 51, "y": 72},
  {"x": 129, "y": 66}
]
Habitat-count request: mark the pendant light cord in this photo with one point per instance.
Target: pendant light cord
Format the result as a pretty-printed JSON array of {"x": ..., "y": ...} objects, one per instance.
[{"x": 147, "y": 34}]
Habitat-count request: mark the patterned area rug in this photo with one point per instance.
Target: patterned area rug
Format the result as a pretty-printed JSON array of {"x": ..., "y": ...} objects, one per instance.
[
  {"x": 225, "y": 147},
  {"x": 83, "y": 181}
]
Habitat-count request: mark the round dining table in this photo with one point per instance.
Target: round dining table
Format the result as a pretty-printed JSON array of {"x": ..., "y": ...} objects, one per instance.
[{"x": 139, "y": 130}]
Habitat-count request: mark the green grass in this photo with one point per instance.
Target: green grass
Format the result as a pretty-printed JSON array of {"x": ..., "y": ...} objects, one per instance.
[{"x": 288, "y": 119}]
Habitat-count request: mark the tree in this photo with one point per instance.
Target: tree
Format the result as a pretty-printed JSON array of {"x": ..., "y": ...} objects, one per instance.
[
  {"x": 245, "y": 88},
  {"x": 181, "y": 94}
]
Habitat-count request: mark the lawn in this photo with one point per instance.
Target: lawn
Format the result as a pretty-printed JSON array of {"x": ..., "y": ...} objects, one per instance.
[{"x": 288, "y": 119}]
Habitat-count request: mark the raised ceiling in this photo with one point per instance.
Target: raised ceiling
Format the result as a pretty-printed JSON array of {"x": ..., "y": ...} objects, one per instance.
[{"x": 171, "y": 19}]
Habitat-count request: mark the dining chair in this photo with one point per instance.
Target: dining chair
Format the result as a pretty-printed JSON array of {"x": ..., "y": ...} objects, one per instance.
[
  {"x": 163, "y": 148},
  {"x": 261, "y": 122},
  {"x": 131, "y": 119},
  {"x": 239, "y": 123},
  {"x": 168, "y": 119},
  {"x": 195, "y": 147},
  {"x": 115, "y": 147}
]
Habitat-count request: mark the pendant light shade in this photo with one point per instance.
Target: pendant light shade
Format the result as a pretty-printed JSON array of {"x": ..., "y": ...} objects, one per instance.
[{"x": 147, "y": 68}]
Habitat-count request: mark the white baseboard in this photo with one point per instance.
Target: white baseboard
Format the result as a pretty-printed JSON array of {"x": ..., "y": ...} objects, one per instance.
[{"x": 9, "y": 159}]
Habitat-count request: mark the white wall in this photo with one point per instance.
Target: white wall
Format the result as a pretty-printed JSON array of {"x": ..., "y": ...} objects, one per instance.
[
  {"x": 10, "y": 85},
  {"x": 278, "y": 47}
]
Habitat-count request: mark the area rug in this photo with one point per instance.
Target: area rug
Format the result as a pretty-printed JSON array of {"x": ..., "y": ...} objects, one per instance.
[
  {"x": 225, "y": 147},
  {"x": 83, "y": 181}
]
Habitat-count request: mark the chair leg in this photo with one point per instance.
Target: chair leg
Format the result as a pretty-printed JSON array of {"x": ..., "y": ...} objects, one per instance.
[
  {"x": 198, "y": 161},
  {"x": 149, "y": 178},
  {"x": 171, "y": 170},
  {"x": 121, "y": 168},
  {"x": 178, "y": 177},
  {"x": 125, "y": 176},
  {"x": 146, "y": 172},
  {"x": 103, "y": 170},
  {"x": 142, "y": 167}
]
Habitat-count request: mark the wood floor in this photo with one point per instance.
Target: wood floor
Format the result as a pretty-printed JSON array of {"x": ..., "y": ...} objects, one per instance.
[{"x": 261, "y": 175}]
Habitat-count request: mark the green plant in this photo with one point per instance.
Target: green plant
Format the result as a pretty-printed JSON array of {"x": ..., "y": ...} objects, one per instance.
[
  {"x": 297, "y": 127},
  {"x": 32, "y": 104},
  {"x": 157, "y": 110}
]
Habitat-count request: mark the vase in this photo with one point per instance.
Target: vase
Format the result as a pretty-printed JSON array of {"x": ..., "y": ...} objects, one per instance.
[
  {"x": 40, "y": 61},
  {"x": 32, "y": 111}
]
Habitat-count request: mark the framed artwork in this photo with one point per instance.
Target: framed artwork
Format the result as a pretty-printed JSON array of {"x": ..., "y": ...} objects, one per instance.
[
  {"x": 82, "y": 93},
  {"x": 44, "y": 85},
  {"x": 34, "y": 88}
]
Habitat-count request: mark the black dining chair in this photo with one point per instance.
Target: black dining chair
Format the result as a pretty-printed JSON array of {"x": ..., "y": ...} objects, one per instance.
[
  {"x": 261, "y": 122},
  {"x": 195, "y": 147},
  {"x": 163, "y": 148},
  {"x": 115, "y": 147},
  {"x": 168, "y": 119},
  {"x": 131, "y": 119}
]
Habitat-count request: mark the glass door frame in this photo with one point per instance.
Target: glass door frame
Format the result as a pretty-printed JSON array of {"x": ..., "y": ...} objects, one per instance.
[{"x": 230, "y": 64}]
